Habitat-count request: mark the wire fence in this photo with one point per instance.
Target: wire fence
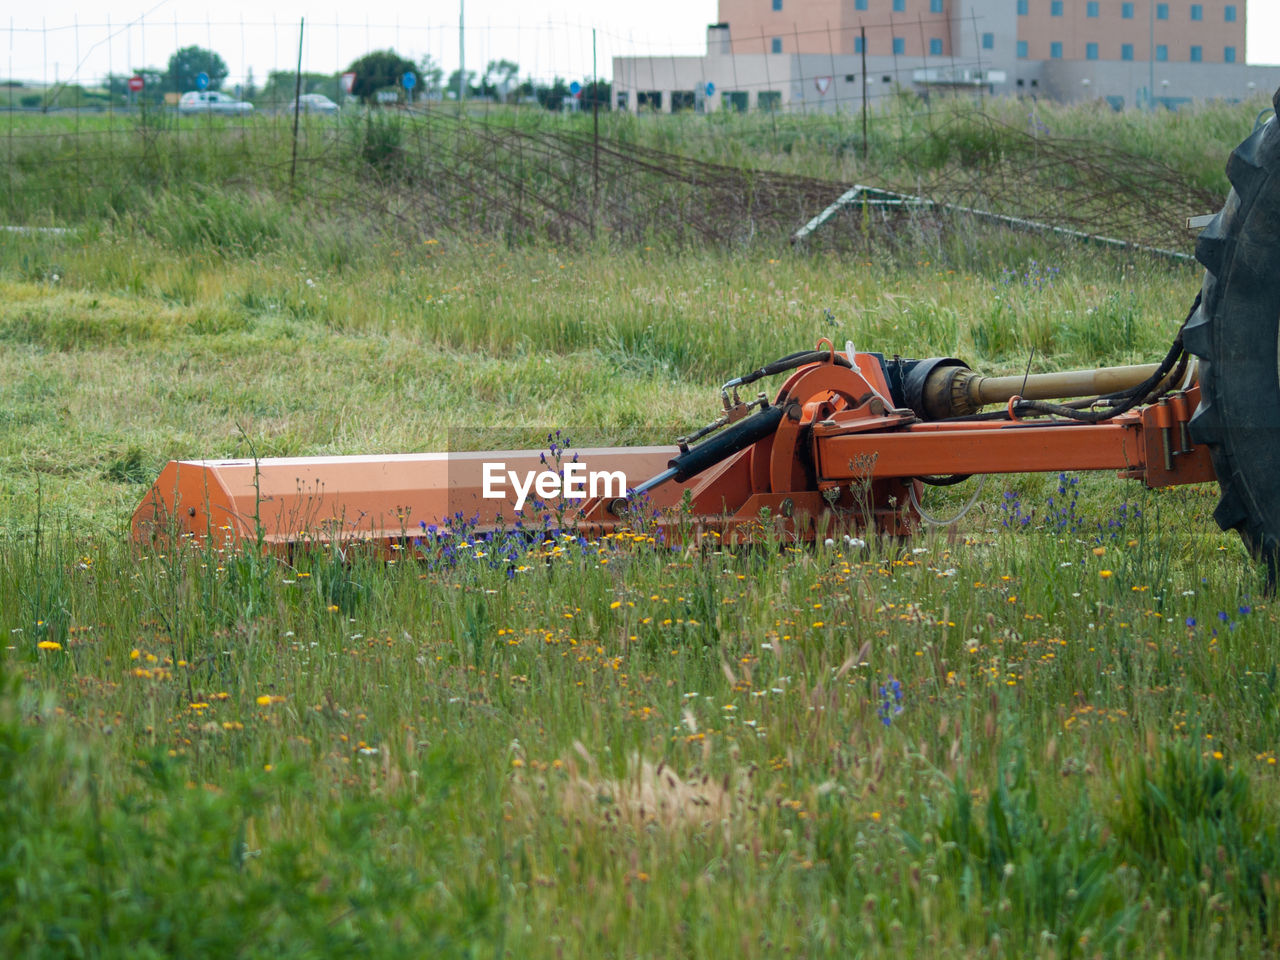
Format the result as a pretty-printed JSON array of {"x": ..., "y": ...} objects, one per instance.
[
  {"x": 87, "y": 65},
  {"x": 506, "y": 164}
]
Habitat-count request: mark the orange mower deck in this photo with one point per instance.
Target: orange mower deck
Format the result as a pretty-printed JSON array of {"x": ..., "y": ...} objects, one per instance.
[{"x": 836, "y": 454}]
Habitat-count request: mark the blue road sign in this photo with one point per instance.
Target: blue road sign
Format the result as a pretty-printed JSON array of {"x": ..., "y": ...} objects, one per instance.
[
  {"x": 711, "y": 89},
  {"x": 410, "y": 80},
  {"x": 202, "y": 81},
  {"x": 575, "y": 88}
]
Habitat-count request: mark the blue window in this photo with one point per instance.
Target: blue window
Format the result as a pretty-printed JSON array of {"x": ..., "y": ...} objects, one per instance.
[
  {"x": 776, "y": 45},
  {"x": 1022, "y": 49},
  {"x": 1055, "y": 8},
  {"x": 1228, "y": 54},
  {"x": 1162, "y": 52},
  {"x": 988, "y": 41},
  {"x": 1126, "y": 51},
  {"x": 777, "y": 4},
  {"x": 1197, "y": 11},
  {"x": 1196, "y": 54},
  {"x": 899, "y": 6},
  {"x": 1022, "y": 8},
  {"x": 1229, "y": 13},
  {"x": 935, "y": 47},
  {"x": 1055, "y": 50},
  {"x": 859, "y": 4},
  {"x": 857, "y": 45},
  {"x": 899, "y": 45},
  {"x": 935, "y": 6},
  {"x": 1091, "y": 51},
  {"x": 1162, "y": 11},
  {"x": 1091, "y": 9},
  {"x": 1126, "y": 11}
]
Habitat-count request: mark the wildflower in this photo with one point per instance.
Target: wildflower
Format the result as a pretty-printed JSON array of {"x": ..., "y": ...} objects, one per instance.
[
  {"x": 1191, "y": 621},
  {"x": 1104, "y": 574},
  {"x": 890, "y": 701},
  {"x": 49, "y": 645}
]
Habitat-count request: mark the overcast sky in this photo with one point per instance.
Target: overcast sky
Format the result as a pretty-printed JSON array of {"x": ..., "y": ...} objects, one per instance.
[{"x": 83, "y": 40}]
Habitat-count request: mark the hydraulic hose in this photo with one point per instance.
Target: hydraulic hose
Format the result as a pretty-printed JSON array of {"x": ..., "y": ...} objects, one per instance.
[{"x": 723, "y": 445}]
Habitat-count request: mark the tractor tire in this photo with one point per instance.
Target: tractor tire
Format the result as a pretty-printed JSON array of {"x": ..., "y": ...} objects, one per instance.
[{"x": 1235, "y": 332}]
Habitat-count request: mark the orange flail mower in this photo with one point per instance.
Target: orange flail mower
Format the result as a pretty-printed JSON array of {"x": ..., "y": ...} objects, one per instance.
[
  {"x": 849, "y": 440},
  {"x": 834, "y": 448}
]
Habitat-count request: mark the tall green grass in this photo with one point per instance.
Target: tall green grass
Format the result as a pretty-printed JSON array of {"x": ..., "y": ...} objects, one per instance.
[
  {"x": 1051, "y": 730},
  {"x": 68, "y": 168}
]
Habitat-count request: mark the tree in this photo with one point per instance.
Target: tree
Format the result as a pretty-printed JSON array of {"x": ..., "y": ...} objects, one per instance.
[
  {"x": 554, "y": 96},
  {"x": 280, "y": 86},
  {"x": 499, "y": 80},
  {"x": 451, "y": 88},
  {"x": 377, "y": 71},
  {"x": 599, "y": 92},
  {"x": 188, "y": 63},
  {"x": 430, "y": 75}
]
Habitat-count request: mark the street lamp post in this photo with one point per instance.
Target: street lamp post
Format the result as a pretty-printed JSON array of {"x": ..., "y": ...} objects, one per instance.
[
  {"x": 1151, "y": 53},
  {"x": 462, "y": 53}
]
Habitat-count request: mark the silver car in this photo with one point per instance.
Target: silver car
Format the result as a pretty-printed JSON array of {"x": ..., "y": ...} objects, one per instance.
[
  {"x": 316, "y": 103},
  {"x": 213, "y": 101}
]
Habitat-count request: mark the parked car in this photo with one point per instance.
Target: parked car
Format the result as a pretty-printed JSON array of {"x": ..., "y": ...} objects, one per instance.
[
  {"x": 212, "y": 101},
  {"x": 316, "y": 103}
]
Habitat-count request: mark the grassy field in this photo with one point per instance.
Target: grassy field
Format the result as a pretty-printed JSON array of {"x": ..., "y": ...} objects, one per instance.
[{"x": 1051, "y": 730}]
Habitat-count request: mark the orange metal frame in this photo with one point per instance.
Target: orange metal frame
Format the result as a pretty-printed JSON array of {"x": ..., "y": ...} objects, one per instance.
[
  {"x": 841, "y": 455},
  {"x": 844, "y": 452}
]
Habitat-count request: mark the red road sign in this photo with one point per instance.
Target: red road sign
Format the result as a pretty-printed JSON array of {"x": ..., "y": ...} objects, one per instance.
[
  {"x": 348, "y": 81},
  {"x": 135, "y": 84}
]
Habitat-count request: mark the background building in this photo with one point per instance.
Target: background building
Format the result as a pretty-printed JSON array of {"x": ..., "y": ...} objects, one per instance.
[{"x": 810, "y": 54}]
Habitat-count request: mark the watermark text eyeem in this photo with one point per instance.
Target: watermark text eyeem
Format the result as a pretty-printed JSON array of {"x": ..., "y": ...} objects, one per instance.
[{"x": 572, "y": 482}]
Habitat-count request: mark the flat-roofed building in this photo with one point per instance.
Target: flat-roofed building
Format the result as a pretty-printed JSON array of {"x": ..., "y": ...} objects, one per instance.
[{"x": 831, "y": 54}]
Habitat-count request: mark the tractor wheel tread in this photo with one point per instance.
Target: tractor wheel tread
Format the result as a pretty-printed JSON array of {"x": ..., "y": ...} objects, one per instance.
[
  {"x": 1196, "y": 335},
  {"x": 1210, "y": 250},
  {"x": 1230, "y": 513},
  {"x": 1205, "y": 425},
  {"x": 1236, "y": 334}
]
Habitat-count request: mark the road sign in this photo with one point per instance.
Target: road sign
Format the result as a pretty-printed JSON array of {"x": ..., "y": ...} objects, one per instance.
[
  {"x": 575, "y": 88},
  {"x": 711, "y": 89},
  {"x": 409, "y": 80},
  {"x": 202, "y": 81},
  {"x": 135, "y": 84},
  {"x": 348, "y": 81}
]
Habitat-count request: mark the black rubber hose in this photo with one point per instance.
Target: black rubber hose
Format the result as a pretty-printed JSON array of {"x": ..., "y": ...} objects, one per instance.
[
  {"x": 726, "y": 443},
  {"x": 790, "y": 362},
  {"x": 1175, "y": 360},
  {"x": 1138, "y": 396}
]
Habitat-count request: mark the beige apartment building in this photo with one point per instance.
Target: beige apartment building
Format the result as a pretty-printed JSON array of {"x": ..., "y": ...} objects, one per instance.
[{"x": 829, "y": 55}]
